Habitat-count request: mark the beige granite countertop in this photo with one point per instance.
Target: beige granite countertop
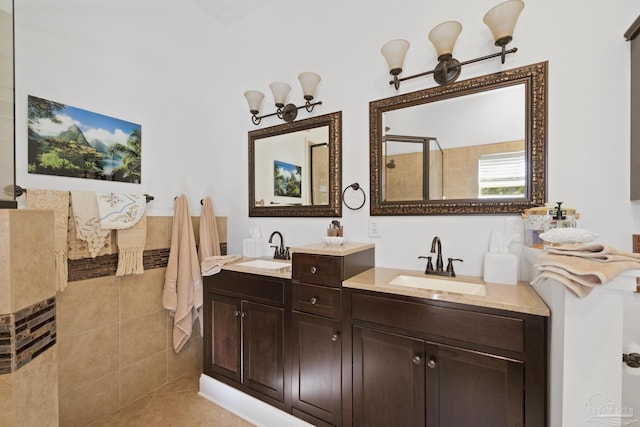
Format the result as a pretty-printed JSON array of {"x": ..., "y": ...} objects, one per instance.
[
  {"x": 283, "y": 273},
  {"x": 346, "y": 248},
  {"x": 520, "y": 298}
]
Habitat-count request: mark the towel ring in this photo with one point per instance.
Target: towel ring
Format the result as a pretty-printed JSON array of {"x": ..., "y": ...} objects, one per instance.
[{"x": 355, "y": 187}]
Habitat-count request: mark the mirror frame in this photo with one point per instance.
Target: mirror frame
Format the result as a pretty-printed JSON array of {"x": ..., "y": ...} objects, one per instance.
[
  {"x": 334, "y": 208},
  {"x": 534, "y": 77}
]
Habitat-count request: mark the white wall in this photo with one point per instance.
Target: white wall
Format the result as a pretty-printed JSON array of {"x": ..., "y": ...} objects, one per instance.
[
  {"x": 181, "y": 73},
  {"x": 151, "y": 62}
]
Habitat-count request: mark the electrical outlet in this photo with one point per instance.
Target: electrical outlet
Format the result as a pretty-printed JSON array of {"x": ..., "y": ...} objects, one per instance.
[{"x": 374, "y": 228}]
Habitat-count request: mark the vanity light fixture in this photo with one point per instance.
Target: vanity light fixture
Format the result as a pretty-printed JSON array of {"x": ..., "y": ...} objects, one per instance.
[
  {"x": 501, "y": 20},
  {"x": 309, "y": 82}
]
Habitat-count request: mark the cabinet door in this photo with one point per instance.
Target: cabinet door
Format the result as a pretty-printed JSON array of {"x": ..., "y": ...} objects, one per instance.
[
  {"x": 388, "y": 379},
  {"x": 468, "y": 388},
  {"x": 222, "y": 339},
  {"x": 316, "y": 366},
  {"x": 263, "y": 349}
]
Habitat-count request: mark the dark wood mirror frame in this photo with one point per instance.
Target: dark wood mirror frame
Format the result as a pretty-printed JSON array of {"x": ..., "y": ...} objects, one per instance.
[
  {"x": 334, "y": 208},
  {"x": 534, "y": 77}
]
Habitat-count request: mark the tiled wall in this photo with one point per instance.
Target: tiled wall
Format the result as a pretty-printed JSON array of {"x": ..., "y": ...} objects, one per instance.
[
  {"x": 114, "y": 337},
  {"x": 28, "y": 349},
  {"x": 461, "y": 168},
  {"x": 404, "y": 182}
]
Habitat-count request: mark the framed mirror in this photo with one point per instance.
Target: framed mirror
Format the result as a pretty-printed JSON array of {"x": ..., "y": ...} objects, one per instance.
[
  {"x": 295, "y": 168},
  {"x": 477, "y": 146}
]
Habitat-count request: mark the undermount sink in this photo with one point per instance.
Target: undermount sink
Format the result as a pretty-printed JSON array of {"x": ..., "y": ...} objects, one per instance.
[
  {"x": 439, "y": 284},
  {"x": 264, "y": 264}
]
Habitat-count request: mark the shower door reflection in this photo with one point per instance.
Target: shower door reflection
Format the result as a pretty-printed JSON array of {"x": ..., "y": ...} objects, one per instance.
[{"x": 412, "y": 168}]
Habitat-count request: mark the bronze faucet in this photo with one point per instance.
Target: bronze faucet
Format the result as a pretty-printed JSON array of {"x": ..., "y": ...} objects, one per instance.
[
  {"x": 439, "y": 270},
  {"x": 281, "y": 252}
]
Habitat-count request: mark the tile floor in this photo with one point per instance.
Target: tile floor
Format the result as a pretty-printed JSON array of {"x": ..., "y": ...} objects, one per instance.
[{"x": 173, "y": 405}]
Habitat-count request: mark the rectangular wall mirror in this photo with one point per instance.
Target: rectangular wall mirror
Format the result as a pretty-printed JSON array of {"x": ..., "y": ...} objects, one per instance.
[
  {"x": 295, "y": 168},
  {"x": 476, "y": 146}
]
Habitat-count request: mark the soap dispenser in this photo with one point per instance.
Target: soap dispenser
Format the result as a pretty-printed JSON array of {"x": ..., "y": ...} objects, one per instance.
[{"x": 558, "y": 219}]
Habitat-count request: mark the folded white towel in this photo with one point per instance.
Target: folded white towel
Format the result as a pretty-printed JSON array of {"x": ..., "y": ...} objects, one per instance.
[{"x": 213, "y": 264}]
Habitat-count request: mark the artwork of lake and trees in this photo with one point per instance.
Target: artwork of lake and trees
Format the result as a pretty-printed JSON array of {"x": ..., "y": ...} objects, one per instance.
[
  {"x": 287, "y": 179},
  {"x": 68, "y": 141}
]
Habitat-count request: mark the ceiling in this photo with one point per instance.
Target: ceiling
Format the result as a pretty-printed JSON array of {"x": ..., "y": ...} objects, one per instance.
[{"x": 229, "y": 11}]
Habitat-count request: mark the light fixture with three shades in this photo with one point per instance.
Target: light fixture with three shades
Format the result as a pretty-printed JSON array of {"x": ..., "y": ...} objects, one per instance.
[
  {"x": 309, "y": 82},
  {"x": 501, "y": 20}
]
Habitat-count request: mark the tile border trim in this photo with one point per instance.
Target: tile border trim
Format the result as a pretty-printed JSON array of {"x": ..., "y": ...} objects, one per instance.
[
  {"x": 26, "y": 334},
  {"x": 107, "y": 265}
]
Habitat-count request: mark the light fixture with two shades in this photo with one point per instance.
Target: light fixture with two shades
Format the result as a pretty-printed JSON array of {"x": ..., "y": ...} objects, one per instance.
[
  {"x": 309, "y": 82},
  {"x": 501, "y": 20}
]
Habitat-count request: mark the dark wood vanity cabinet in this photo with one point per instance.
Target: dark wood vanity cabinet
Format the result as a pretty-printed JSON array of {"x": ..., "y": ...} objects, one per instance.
[
  {"x": 318, "y": 337},
  {"x": 335, "y": 356},
  {"x": 316, "y": 369},
  {"x": 419, "y": 363},
  {"x": 246, "y": 319}
]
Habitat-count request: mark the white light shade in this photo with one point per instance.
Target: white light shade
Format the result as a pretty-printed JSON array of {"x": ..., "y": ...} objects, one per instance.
[
  {"x": 394, "y": 52},
  {"x": 280, "y": 91},
  {"x": 254, "y": 98},
  {"x": 444, "y": 36},
  {"x": 502, "y": 19},
  {"x": 309, "y": 82}
]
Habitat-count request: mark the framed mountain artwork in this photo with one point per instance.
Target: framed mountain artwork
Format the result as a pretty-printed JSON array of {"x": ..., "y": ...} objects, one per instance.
[{"x": 69, "y": 141}]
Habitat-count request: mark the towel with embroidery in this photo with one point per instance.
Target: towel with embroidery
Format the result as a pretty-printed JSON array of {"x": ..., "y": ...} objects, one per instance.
[{"x": 119, "y": 210}]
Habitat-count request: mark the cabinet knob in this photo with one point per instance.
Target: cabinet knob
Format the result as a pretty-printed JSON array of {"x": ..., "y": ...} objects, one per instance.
[
  {"x": 243, "y": 314},
  {"x": 417, "y": 359},
  {"x": 335, "y": 336},
  {"x": 314, "y": 270},
  {"x": 431, "y": 364},
  {"x": 313, "y": 300},
  {"x": 237, "y": 313}
]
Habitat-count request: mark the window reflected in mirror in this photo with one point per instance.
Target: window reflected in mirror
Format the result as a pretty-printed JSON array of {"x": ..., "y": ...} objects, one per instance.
[
  {"x": 460, "y": 131},
  {"x": 476, "y": 146}
]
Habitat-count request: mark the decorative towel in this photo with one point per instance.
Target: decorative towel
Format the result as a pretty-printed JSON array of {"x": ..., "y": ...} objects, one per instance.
[
  {"x": 182, "y": 294},
  {"x": 58, "y": 201},
  {"x": 582, "y": 267},
  {"x": 87, "y": 221},
  {"x": 118, "y": 211},
  {"x": 131, "y": 248},
  {"x": 209, "y": 239},
  {"x": 79, "y": 249},
  {"x": 213, "y": 264}
]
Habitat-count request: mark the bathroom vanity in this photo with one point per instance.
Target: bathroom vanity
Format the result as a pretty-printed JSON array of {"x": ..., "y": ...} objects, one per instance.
[{"x": 331, "y": 341}]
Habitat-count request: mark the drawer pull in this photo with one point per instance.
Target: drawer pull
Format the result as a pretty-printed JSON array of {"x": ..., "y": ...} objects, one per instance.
[
  {"x": 335, "y": 336},
  {"x": 417, "y": 359},
  {"x": 313, "y": 300},
  {"x": 431, "y": 364},
  {"x": 314, "y": 269}
]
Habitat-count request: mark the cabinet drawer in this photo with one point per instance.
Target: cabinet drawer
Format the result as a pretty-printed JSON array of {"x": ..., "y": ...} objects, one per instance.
[
  {"x": 320, "y": 300},
  {"x": 252, "y": 287},
  {"x": 479, "y": 328},
  {"x": 317, "y": 269}
]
